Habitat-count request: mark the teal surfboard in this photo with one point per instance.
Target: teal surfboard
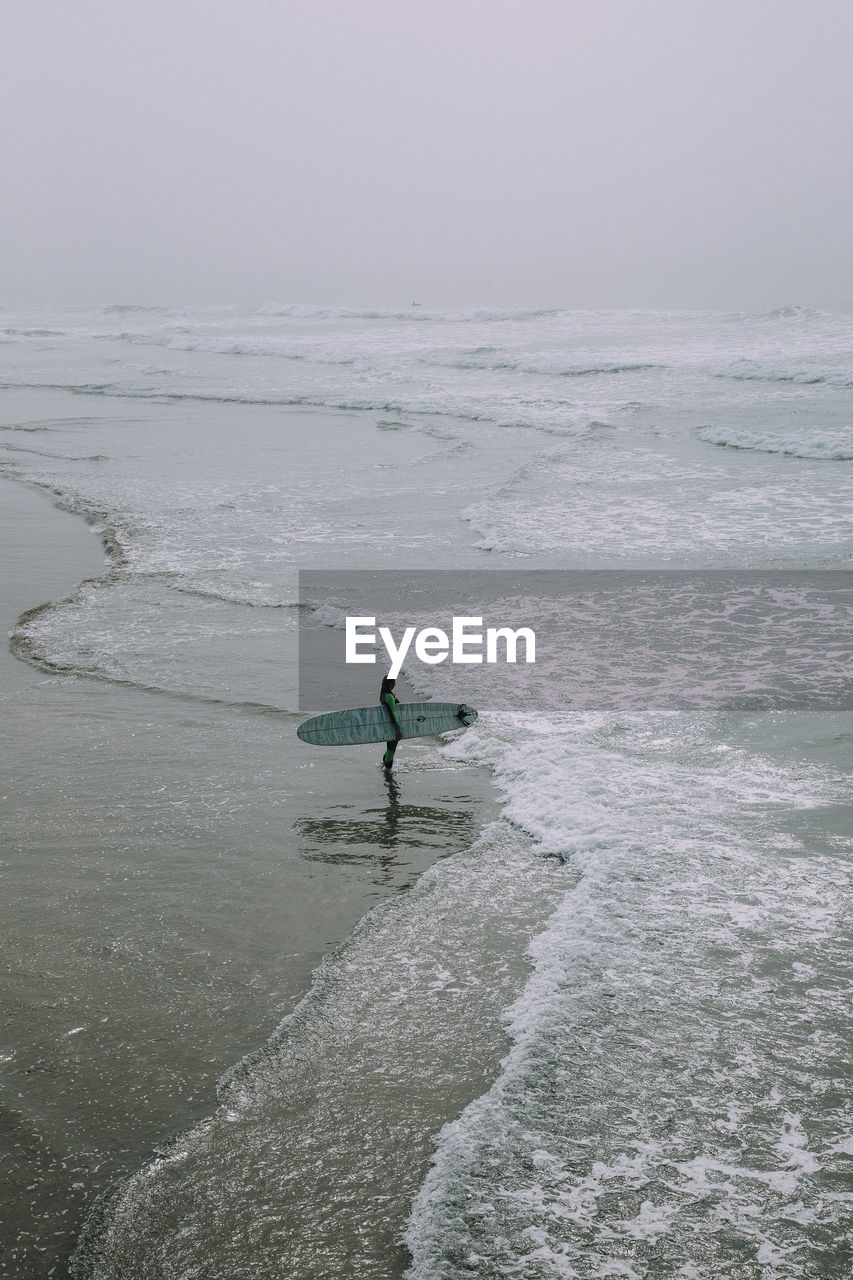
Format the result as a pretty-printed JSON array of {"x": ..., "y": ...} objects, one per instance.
[{"x": 374, "y": 724}]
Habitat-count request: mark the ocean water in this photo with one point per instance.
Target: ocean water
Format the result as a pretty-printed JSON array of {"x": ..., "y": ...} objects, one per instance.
[{"x": 606, "y": 1032}]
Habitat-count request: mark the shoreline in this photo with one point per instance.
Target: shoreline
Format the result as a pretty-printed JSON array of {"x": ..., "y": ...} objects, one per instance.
[
  {"x": 141, "y": 980},
  {"x": 48, "y": 552}
]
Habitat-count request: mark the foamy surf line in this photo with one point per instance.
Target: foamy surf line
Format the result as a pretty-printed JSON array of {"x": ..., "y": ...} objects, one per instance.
[
  {"x": 665, "y": 1108},
  {"x": 834, "y": 446},
  {"x": 324, "y": 1135},
  {"x": 675, "y": 1101}
]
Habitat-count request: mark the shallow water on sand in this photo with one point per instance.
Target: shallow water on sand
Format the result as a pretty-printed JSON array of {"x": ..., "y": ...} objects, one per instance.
[
  {"x": 173, "y": 869},
  {"x": 624, "y": 995}
]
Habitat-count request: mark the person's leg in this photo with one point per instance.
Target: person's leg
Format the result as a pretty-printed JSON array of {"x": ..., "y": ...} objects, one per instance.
[{"x": 390, "y": 748}]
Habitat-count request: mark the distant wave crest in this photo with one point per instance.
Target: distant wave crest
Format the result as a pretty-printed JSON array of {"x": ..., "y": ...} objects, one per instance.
[{"x": 836, "y": 446}]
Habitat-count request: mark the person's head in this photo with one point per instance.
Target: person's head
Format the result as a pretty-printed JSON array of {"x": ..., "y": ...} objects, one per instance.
[{"x": 387, "y": 684}]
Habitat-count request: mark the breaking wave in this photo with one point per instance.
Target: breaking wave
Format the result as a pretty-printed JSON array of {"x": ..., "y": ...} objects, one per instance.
[{"x": 836, "y": 446}]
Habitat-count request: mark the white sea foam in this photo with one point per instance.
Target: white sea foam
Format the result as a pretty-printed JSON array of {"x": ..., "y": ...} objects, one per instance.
[
  {"x": 642, "y": 505},
  {"x": 660, "y": 1021},
  {"x": 545, "y": 370},
  {"x": 835, "y": 445}
]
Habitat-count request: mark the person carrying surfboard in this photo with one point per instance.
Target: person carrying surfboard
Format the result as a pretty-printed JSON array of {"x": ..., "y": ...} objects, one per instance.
[{"x": 387, "y": 699}]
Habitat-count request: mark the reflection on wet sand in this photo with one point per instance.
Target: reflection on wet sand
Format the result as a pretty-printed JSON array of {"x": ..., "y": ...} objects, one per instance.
[{"x": 375, "y": 836}]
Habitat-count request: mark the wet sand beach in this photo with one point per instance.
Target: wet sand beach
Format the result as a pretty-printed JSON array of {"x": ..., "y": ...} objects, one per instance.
[
  {"x": 167, "y": 896},
  {"x": 47, "y": 551}
]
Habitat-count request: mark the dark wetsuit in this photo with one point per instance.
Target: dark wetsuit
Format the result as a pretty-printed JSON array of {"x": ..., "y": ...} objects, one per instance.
[{"x": 388, "y": 700}]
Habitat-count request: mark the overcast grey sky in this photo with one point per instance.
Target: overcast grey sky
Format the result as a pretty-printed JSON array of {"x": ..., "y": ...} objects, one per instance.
[{"x": 670, "y": 153}]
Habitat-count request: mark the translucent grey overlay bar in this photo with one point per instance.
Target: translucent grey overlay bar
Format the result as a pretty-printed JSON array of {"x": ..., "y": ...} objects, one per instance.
[{"x": 605, "y": 640}]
